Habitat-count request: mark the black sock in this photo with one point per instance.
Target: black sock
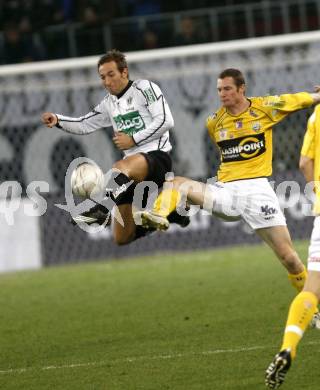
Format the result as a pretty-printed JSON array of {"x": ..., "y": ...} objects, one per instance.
[{"x": 120, "y": 188}]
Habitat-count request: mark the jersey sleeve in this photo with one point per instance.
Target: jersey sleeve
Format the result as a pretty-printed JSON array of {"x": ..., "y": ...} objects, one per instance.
[
  {"x": 308, "y": 146},
  {"x": 279, "y": 106},
  {"x": 94, "y": 120},
  {"x": 210, "y": 124},
  {"x": 156, "y": 104}
]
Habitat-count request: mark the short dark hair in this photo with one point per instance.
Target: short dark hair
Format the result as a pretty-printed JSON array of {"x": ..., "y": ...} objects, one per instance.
[
  {"x": 236, "y": 74},
  {"x": 116, "y": 56}
]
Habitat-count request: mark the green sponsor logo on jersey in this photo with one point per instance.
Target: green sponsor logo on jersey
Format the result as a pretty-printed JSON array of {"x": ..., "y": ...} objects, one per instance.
[
  {"x": 129, "y": 123},
  {"x": 150, "y": 96}
]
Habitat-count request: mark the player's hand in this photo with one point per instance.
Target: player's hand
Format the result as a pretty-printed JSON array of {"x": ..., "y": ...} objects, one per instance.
[
  {"x": 123, "y": 141},
  {"x": 49, "y": 119},
  {"x": 316, "y": 88}
]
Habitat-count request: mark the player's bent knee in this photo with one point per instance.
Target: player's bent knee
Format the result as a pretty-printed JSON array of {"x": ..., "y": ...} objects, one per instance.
[
  {"x": 120, "y": 165},
  {"x": 178, "y": 181}
]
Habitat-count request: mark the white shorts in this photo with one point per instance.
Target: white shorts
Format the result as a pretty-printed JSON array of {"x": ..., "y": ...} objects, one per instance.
[
  {"x": 252, "y": 200},
  {"x": 314, "y": 247}
]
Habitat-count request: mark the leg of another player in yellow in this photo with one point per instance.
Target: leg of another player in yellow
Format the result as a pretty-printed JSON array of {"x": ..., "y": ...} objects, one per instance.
[
  {"x": 165, "y": 204},
  {"x": 279, "y": 240},
  {"x": 298, "y": 280},
  {"x": 168, "y": 200},
  {"x": 300, "y": 314}
]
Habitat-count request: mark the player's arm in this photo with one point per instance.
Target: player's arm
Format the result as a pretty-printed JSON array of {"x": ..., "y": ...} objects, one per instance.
[
  {"x": 49, "y": 119},
  {"x": 162, "y": 120},
  {"x": 123, "y": 141},
  {"x": 94, "y": 120},
  {"x": 279, "y": 106},
  {"x": 316, "y": 94},
  {"x": 306, "y": 163},
  {"x": 211, "y": 126}
]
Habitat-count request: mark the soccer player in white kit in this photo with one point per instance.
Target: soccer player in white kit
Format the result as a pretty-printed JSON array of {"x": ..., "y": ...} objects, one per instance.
[
  {"x": 141, "y": 120},
  {"x": 303, "y": 306}
]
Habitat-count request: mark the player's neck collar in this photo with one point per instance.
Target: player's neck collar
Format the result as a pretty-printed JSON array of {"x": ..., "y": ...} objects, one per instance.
[
  {"x": 125, "y": 89},
  {"x": 241, "y": 111}
]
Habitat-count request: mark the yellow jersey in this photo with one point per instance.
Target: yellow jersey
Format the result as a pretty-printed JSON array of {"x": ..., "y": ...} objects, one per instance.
[
  {"x": 245, "y": 140},
  {"x": 311, "y": 149}
]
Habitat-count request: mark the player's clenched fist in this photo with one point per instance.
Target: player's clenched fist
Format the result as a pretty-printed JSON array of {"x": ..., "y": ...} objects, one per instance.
[{"x": 49, "y": 119}]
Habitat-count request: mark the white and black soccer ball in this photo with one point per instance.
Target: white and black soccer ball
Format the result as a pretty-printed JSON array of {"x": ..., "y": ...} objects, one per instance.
[{"x": 87, "y": 180}]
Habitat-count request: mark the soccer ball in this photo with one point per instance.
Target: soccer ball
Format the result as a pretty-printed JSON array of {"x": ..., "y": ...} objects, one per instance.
[{"x": 87, "y": 180}]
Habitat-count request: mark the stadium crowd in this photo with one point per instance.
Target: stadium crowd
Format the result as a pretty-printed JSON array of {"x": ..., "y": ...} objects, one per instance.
[{"x": 35, "y": 30}]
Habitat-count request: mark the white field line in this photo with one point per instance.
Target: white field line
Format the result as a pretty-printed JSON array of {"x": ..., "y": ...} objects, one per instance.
[{"x": 146, "y": 357}]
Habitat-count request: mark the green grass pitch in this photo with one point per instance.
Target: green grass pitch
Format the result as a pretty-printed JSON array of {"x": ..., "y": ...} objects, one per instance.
[{"x": 200, "y": 320}]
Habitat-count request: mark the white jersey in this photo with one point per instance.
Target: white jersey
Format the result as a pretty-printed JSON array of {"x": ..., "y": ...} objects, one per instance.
[{"x": 140, "y": 111}]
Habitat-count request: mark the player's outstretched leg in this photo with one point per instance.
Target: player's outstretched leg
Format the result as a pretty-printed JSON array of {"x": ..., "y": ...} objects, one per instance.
[
  {"x": 301, "y": 311},
  {"x": 278, "y": 368},
  {"x": 181, "y": 220},
  {"x": 158, "y": 218},
  {"x": 151, "y": 220},
  {"x": 175, "y": 193}
]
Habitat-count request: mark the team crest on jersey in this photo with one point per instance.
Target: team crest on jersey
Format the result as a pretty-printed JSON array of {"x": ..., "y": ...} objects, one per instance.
[
  {"x": 129, "y": 100},
  {"x": 223, "y": 133},
  {"x": 253, "y": 113},
  {"x": 256, "y": 126},
  {"x": 239, "y": 124}
]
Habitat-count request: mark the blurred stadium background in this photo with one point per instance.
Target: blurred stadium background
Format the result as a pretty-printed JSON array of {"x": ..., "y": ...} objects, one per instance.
[{"x": 172, "y": 321}]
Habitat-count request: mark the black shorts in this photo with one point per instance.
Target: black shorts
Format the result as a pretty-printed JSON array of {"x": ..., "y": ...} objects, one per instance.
[{"x": 159, "y": 163}]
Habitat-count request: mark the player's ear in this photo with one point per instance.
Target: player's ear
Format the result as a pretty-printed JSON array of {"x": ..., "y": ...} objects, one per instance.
[
  {"x": 242, "y": 88},
  {"x": 125, "y": 72}
]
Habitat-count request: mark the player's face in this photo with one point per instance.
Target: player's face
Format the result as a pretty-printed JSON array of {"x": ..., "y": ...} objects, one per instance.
[
  {"x": 230, "y": 95},
  {"x": 112, "y": 79}
]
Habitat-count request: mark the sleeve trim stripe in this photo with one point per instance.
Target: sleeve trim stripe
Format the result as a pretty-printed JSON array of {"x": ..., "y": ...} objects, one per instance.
[
  {"x": 164, "y": 119},
  {"x": 164, "y": 143},
  {"x": 94, "y": 113},
  {"x": 151, "y": 86}
]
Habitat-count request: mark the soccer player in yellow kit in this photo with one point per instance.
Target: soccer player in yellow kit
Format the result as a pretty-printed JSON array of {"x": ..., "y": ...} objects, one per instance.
[
  {"x": 242, "y": 129},
  {"x": 303, "y": 306}
]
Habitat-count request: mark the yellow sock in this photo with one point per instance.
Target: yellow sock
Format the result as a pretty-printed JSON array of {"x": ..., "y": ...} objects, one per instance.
[
  {"x": 166, "y": 202},
  {"x": 298, "y": 280},
  {"x": 300, "y": 314}
]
